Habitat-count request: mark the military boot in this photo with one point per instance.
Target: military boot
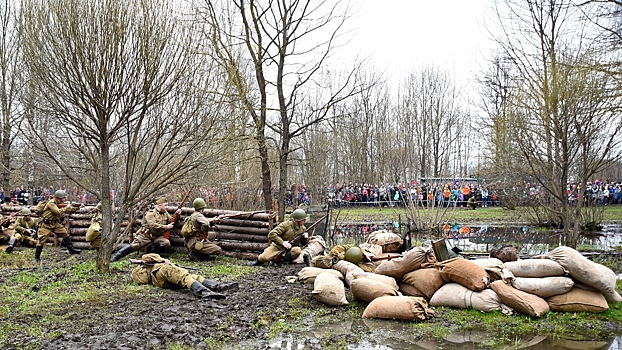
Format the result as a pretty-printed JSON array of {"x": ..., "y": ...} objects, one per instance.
[
  {"x": 203, "y": 292},
  {"x": 11, "y": 245},
  {"x": 121, "y": 253},
  {"x": 287, "y": 258},
  {"x": 307, "y": 259},
  {"x": 70, "y": 247},
  {"x": 38, "y": 251},
  {"x": 194, "y": 256},
  {"x": 255, "y": 263},
  {"x": 219, "y": 287}
]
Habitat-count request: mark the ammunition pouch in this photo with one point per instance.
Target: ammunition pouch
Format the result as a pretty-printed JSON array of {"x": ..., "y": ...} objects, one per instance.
[{"x": 49, "y": 221}]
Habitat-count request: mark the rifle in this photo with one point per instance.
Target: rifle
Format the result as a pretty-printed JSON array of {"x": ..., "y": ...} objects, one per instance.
[
  {"x": 296, "y": 240},
  {"x": 141, "y": 262},
  {"x": 7, "y": 220},
  {"x": 64, "y": 205},
  {"x": 388, "y": 257},
  {"x": 167, "y": 234}
]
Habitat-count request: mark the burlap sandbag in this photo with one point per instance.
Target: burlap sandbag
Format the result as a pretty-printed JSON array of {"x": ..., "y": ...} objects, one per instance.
[
  {"x": 398, "y": 308},
  {"x": 407, "y": 289},
  {"x": 496, "y": 269},
  {"x": 428, "y": 281},
  {"x": 586, "y": 271},
  {"x": 535, "y": 268},
  {"x": 459, "y": 296},
  {"x": 578, "y": 300},
  {"x": 308, "y": 274},
  {"x": 544, "y": 287},
  {"x": 465, "y": 272},
  {"x": 315, "y": 247},
  {"x": 348, "y": 269},
  {"x": 373, "y": 249},
  {"x": 376, "y": 277},
  {"x": 329, "y": 289},
  {"x": 389, "y": 241},
  {"x": 411, "y": 261},
  {"x": 366, "y": 289},
  {"x": 526, "y": 303}
]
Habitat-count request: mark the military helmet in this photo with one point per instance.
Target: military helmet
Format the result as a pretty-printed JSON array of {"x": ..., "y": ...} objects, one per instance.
[
  {"x": 99, "y": 206},
  {"x": 199, "y": 203},
  {"x": 299, "y": 215},
  {"x": 354, "y": 255},
  {"x": 60, "y": 194},
  {"x": 26, "y": 212}
]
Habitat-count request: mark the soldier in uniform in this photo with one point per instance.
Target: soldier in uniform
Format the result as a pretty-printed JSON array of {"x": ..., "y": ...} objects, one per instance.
[
  {"x": 280, "y": 238},
  {"x": 93, "y": 234},
  {"x": 51, "y": 223},
  {"x": 347, "y": 252},
  {"x": 157, "y": 221},
  {"x": 161, "y": 273},
  {"x": 199, "y": 241},
  {"x": 25, "y": 230}
]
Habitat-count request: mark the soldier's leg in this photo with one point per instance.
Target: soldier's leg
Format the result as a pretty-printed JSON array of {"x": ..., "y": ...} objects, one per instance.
[
  {"x": 207, "y": 252},
  {"x": 139, "y": 242},
  {"x": 42, "y": 236},
  {"x": 182, "y": 278},
  {"x": 161, "y": 245}
]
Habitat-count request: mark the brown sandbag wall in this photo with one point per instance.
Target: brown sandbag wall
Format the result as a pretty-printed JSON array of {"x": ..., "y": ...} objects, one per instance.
[{"x": 242, "y": 235}]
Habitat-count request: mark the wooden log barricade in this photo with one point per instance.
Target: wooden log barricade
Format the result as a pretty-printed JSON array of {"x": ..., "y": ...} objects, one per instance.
[{"x": 240, "y": 234}]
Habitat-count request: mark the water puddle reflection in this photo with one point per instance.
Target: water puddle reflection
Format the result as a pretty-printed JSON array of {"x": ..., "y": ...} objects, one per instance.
[{"x": 396, "y": 335}]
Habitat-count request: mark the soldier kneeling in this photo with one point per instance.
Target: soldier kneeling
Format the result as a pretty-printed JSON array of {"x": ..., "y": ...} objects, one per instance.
[{"x": 161, "y": 273}]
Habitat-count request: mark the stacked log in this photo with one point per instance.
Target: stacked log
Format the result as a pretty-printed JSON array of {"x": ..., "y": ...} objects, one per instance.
[{"x": 240, "y": 234}]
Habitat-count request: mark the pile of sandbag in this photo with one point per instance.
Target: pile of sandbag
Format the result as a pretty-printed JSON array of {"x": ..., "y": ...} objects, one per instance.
[{"x": 561, "y": 280}]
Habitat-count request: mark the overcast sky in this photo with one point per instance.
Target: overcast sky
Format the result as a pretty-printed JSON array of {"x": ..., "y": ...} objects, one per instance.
[{"x": 400, "y": 36}]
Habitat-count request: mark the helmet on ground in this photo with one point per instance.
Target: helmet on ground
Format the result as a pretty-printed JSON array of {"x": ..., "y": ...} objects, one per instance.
[
  {"x": 199, "y": 203},
  {"x": 60, "y": 194},
  {"x": 26, "y": 212},
  {"x": 99, "y": 206},
  {"x": 354, "y": 255},
  {"x": 299, "y": 215}
]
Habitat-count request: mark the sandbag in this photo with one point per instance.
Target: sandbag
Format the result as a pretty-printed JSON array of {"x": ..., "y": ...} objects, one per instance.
[
  {"x": 389, "y": 241},
  {"x": 411, "y": 261},
  {"x": 465, "y": 272},
  {"x": 373, "y": 249},
  {"x": 428, "y": 281},
  {"x": 308, "y": 274},
  {"x": 459, "y": 296},
  {"x": 366, "y": 289},
  {"x": 535, "y": 268},
  {"x": 348, "y": 269},
  {"x": 578, "y": 300},
  {"x": 407, "y": 289},
  {"x": 526, "y": 303},
  {"x": 398, "y": 308},
  {"x": 544, "y": 287},
  {"x": 315, "y": 247},
  {"x": 376, "y": 277},
  {"x": 586, "y": 271},
  {"x": 496, "y": 269},
  {"x": 329, "y": 289}
]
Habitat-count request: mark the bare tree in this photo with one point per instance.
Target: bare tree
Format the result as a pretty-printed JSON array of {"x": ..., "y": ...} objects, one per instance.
[
  {"x": 124, "y": 96},
  {"x": 10, "y": 77},
  {"x": 288, "y": 43},
  {"x": 565, "y": 107}
]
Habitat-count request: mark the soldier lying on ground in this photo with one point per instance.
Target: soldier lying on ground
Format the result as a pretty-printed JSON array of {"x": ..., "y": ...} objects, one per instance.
[
  {"x": 154, "y": 269},
  {"x": 348, "y": 252},
  {"x": 25, "y": 230}
]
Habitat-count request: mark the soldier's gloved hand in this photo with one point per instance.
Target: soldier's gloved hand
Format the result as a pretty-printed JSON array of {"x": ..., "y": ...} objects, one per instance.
[
  {"x": 178, "y": 212},
  {"x": 306, "y": 235},
  {"x": 287, "y": 245},
  {"x": 169, "y": 226}
]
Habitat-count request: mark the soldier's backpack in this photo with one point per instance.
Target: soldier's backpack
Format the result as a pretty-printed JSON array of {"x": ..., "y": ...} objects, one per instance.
[
  {"x": 188, "y": 229},
  {"x": 40, "y": 207}
]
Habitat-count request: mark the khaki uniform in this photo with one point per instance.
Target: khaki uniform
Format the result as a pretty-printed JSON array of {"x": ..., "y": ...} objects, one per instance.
[
  {"x": 336, "y": 254},
  {"x": 93, "y": 234},
  {"x": 152, "y": 231},
  {"x": 22, "y": 234},
  {"x": 162, "y": 274},
  {"x": 285, "y": 231},
  {"x": 202, "y": 234},
  {"x": 51, "y": 221}
]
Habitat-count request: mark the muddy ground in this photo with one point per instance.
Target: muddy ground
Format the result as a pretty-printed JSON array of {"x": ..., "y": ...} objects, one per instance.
[{"x": 163, "y": 319}]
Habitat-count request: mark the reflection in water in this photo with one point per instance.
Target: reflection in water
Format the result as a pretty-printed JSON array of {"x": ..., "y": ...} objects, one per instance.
[{"x": 397, "y": 335}]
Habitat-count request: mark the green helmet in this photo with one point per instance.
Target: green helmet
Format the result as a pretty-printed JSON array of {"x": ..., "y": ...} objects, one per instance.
[
  {"x": 354, "y": 255},
  {"x": 299, "y": 215},
  {"x": 99, "y": 206},
  {"x": 199, "y": 203},
  {"x": 26, "y": 212},
  {"x": 60, "y": 194}
]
